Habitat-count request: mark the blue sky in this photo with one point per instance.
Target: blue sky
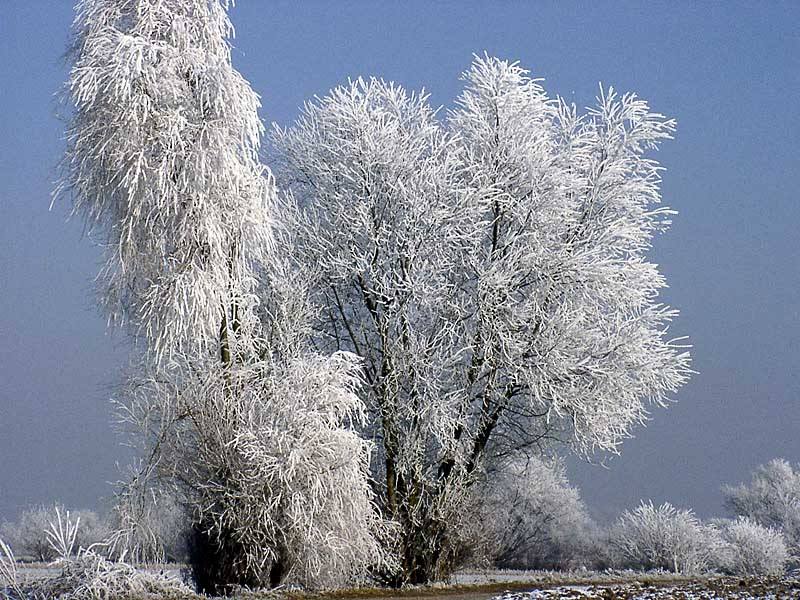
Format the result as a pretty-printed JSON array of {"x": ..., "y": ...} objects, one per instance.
[{"x": 729, "y": 72}]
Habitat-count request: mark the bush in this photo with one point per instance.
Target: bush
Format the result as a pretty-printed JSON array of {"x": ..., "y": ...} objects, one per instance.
[
  {"x": 529, "y": 517},
  {"x": 771, "y": 499},
  {"x": 28, "y": 537},
  {"x": 90, "y": 576},
  {"x": 148, "y": 526},
  {"x": 752, "y": 549},
  {"x": 92, "y": 528},
  {"x": 663, "y": 537}
]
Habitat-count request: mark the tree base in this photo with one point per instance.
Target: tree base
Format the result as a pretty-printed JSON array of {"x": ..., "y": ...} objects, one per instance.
[{"x": 217, "y": 563}]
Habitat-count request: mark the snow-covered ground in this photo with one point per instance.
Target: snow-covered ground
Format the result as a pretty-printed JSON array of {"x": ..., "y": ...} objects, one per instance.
[
  {"x": 541, "y": 585},
  {"x": 38, "y": 571},
  {"x": 712, "y": 589}
]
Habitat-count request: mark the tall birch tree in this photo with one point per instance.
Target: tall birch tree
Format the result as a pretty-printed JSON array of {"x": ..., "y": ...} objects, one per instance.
[{"x": 250, "y": 430}]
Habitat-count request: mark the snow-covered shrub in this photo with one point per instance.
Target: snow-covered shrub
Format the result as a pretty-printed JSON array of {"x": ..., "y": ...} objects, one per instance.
[
  {"x": 532, "y": 518},
  {"x": 62, "y": 533},
  {"x": 30, "y": 540},
  {"x": 771, "y": 499},
  {"x": 296, "y": 505},
  {"x": 27, "y": 535},
  {"x": 89, "y": 576},
  {"x": 299, "y": 495},
  {"x": 752, "y": 549},
  {"x": 93, "y": 528},
  {"x": 663, "y": 537},
  {"x": 9, "y": 579},
  {"x": 147, "y": 525}
]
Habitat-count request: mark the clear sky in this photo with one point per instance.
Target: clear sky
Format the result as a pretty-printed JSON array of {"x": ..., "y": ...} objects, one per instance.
[{"x": 729, "y": 72}]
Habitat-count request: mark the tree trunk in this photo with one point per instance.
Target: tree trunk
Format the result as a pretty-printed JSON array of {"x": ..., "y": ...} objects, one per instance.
[{"x": 215, "y": 562}]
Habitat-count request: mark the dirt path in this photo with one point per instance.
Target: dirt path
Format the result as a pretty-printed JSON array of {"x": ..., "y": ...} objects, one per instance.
[{"x": 716, "y": 588}]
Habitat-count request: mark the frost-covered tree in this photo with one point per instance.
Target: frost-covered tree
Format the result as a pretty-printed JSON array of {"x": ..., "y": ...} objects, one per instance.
[
  {"x": 490, "y": 270},
  {"x": 663, "y": 537},
  {"x": 771, "y": 499},
  {"x": 751, "y": 549},
  {"x": 250, "y": 431},
  {"x": 533, "y": 517},
  {"x": 92, "y": 530},
  {"x": 29, "y": 537},
  {"x": 28, "y": 534},
  {"x": 162, "y": 162}
]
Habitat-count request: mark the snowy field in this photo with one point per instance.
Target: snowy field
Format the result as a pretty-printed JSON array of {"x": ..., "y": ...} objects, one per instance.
[
  {"x": 650, "y": 588},
  {"x": 713, "y": 589},
  {"x": 37, "y": 571},
  {"x": 536, "y": 585},
  {"x": 609, "y": 586}
]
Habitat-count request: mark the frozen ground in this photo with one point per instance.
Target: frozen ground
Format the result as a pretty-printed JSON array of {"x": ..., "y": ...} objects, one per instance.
[
  {"x": 712, "y": 589},
  {"x": 498, "y": 576},
  {"x": 539, "y": 585},
  {"x": 36, "y": 571}
]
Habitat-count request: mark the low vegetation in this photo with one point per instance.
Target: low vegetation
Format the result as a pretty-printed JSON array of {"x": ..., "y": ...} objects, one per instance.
[
  {"x": 530, "y": 519},
  {"x": 663, "y": 537},
  {"x": 771, "y": 499},
  {"x": 751, "y": 549}
]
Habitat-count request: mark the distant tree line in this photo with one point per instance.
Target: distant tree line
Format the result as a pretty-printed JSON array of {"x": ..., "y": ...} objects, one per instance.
[
  {"x": 166, "y": 541},
  {"x": 532, "y": 518}
]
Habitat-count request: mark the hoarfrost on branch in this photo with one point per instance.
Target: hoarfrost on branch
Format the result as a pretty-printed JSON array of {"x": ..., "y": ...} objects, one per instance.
[{"x": 490, "y": 268}]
